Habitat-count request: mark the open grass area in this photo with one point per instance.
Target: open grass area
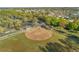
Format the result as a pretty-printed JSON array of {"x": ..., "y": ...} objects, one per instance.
[{"x": 21, "y": 43}]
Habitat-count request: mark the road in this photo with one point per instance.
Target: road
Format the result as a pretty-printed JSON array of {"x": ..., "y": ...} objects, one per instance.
[{"x": 10, "y": 35}]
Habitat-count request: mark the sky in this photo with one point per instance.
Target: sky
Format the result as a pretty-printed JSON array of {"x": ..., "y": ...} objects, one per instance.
[{"x": 39, "y": 3}]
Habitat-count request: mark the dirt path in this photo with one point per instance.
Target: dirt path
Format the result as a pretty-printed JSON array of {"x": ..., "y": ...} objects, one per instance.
[{"x": 38, "y": 33}]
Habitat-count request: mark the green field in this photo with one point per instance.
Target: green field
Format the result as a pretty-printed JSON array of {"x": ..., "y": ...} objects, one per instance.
[{"x": 21, "y": 43}]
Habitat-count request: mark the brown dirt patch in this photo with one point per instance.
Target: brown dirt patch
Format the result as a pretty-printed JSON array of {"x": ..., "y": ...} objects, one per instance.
[{"x": 38, "y": 33}]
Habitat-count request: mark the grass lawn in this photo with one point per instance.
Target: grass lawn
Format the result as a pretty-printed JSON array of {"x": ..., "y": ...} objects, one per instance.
[{"x": 21, "y": 43}]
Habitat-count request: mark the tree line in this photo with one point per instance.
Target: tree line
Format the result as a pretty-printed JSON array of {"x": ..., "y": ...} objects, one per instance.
[{"x": 16, "y": 18}]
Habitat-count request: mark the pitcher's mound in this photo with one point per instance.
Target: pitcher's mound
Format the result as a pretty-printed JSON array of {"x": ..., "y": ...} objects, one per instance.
[{"x": 38, "y": 33}]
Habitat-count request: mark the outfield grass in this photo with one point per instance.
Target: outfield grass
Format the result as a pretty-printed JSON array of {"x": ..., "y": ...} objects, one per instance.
[{"x": 21, "y": 43}]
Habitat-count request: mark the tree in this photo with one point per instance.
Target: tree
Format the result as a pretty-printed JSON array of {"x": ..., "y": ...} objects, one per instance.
[
  {"x": 17, "y": 24},
  {"x": 77, "y": 24},
  {"x": 63, "y": 22},
  {"x": 48, "y": 19},
  {"x": 72, "y": 26},
  {"x": 55, "y": 21}
]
